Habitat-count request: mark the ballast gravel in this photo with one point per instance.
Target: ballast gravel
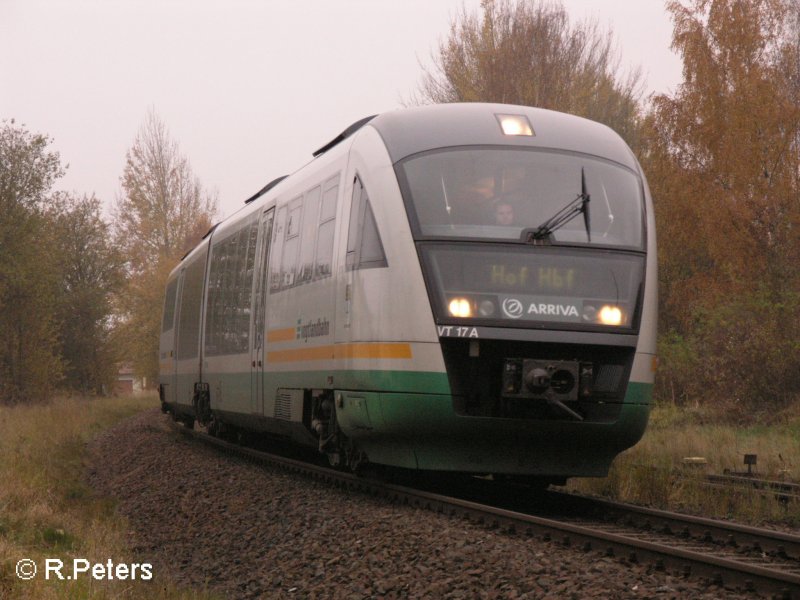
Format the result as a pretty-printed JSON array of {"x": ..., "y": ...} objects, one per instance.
[{"x": 209, "y": 521}]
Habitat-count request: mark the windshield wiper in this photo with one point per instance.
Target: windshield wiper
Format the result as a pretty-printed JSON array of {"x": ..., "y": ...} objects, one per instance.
[{"x": 577, "y": 206}]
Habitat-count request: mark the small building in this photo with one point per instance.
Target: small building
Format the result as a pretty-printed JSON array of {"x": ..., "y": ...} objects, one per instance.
[{"x": 127, "y": 382}]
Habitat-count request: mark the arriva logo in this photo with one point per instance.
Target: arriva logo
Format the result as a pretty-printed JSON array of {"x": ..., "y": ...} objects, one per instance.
[
  {"x": 516, "y": 308},
  {"x": 512, "y": 308},
  {"x": 557, "y": 310}
]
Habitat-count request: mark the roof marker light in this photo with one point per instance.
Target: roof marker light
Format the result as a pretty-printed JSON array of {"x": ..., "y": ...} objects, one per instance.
[{"x": 515, "y": 125}]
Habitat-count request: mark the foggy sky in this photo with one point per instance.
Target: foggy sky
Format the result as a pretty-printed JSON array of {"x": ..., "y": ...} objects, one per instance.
[{"x": 248, "y": 88}]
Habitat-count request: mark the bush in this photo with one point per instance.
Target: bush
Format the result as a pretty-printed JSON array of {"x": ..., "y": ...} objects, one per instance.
[{"x": 741, "y": 355}]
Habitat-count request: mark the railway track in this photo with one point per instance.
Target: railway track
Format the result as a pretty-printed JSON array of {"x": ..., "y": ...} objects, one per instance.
[
  {"x": 783, "y": 490},
  {"x": 726, "y": 554}
]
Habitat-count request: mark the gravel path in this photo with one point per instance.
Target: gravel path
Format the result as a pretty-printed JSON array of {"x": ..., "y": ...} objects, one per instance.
[{"x": 206, "y": 520}]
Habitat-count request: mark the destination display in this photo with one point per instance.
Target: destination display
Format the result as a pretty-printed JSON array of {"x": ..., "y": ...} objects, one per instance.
[{"x": 534, "y": 285}]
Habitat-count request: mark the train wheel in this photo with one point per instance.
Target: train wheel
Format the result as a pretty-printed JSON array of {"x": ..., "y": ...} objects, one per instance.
[
  {"x": 202, "y": 404},
  {"x": 355, "y": 458},
  {"x": 334, "y": 459}
]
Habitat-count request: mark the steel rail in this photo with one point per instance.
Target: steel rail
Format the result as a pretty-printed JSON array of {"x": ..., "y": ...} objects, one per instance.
[
  {"x": 727, "y": 533},
  {"x": 787, "y": 490}
]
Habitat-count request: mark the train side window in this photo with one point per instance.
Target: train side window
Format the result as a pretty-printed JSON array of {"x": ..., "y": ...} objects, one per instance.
[
  {"x": 278, "y": 236},
  {"x": 230, "y": 286},
  {"x": 247, "y": 272},
  {"x": 364, "y": 246},
  {"x": 168, "y": 322},
  {"x": 311, "y": 202},
  {"x": 189, "y": 319},
  {"x": 291, "y": 243},
  {"x": 327, "y": 222}
]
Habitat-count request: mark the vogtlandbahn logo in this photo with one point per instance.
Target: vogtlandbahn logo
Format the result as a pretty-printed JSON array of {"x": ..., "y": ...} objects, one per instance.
[{"x": 312, "y": 329}]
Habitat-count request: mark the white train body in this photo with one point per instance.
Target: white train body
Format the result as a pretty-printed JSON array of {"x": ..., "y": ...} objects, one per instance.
[{"x": 323, "y": 311}]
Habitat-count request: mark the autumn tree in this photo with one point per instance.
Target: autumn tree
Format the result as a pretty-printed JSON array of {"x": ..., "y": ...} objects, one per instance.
[
  {"x": 722, "y": 159},
  {"x": 30, "y": 366},
  {"x": 162, "y": 213},
  {"x": 90, "y": 275},
  {"x": 528, "y": 52}
]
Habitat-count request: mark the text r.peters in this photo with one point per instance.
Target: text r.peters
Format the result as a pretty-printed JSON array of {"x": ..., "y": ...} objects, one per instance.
[{"x": 107, "y": 571}]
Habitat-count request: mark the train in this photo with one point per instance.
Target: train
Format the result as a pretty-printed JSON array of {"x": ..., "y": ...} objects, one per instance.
[{"x": 458, "y": 288}]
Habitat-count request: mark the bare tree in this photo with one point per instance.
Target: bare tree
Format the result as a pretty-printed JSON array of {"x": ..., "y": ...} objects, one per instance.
[
  {"x": 163, "y": 212},
  {"x": 527, "y": 52},
  {"x": 164, "y": 209}
]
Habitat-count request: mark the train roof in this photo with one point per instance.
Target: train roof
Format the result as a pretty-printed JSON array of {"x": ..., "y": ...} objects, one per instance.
[{"x": 412, "y": 130}]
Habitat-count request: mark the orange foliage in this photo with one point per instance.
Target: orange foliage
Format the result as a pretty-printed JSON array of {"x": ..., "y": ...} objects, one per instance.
[{"x": 722, "y": 158}]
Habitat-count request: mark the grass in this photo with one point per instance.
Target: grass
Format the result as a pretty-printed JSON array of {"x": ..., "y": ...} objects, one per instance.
[
  {"x": 654, "y": 473},
  {"x": 48, "y": 512}
]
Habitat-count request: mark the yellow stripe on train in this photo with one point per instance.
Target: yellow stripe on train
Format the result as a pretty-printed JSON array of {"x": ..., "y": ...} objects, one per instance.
[{"x": 342, "y": 351}]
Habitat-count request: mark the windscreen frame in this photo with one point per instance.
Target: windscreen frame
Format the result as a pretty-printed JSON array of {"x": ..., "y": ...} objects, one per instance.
[{"x": 417, "y": 229}]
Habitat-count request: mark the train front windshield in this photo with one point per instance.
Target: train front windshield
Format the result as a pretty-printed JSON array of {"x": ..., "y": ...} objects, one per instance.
[
  {"x": 456, "y": 197},
  {"x": 498, "y": 193}
]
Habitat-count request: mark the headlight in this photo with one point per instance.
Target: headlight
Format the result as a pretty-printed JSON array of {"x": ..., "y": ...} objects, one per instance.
[
  {"x": 610, "y": 315},
  {"x": 607, "y": 314},
  {"x": 460, "y": 307}
]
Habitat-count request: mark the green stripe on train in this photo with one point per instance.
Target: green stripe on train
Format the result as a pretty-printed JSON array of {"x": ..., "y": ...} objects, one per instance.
[
  {"x": 408, "y": 382},
  {"x": 234, "y": 389},
  {"x": 639, "y": 393}
]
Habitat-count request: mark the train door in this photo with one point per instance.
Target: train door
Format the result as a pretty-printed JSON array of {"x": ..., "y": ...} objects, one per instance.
[
  {"x": 173, "y": 379},
  {"x": 190, "y": 292},
  {"x": 166, "y": 343},
  {"x": 259, "y": 310}
]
